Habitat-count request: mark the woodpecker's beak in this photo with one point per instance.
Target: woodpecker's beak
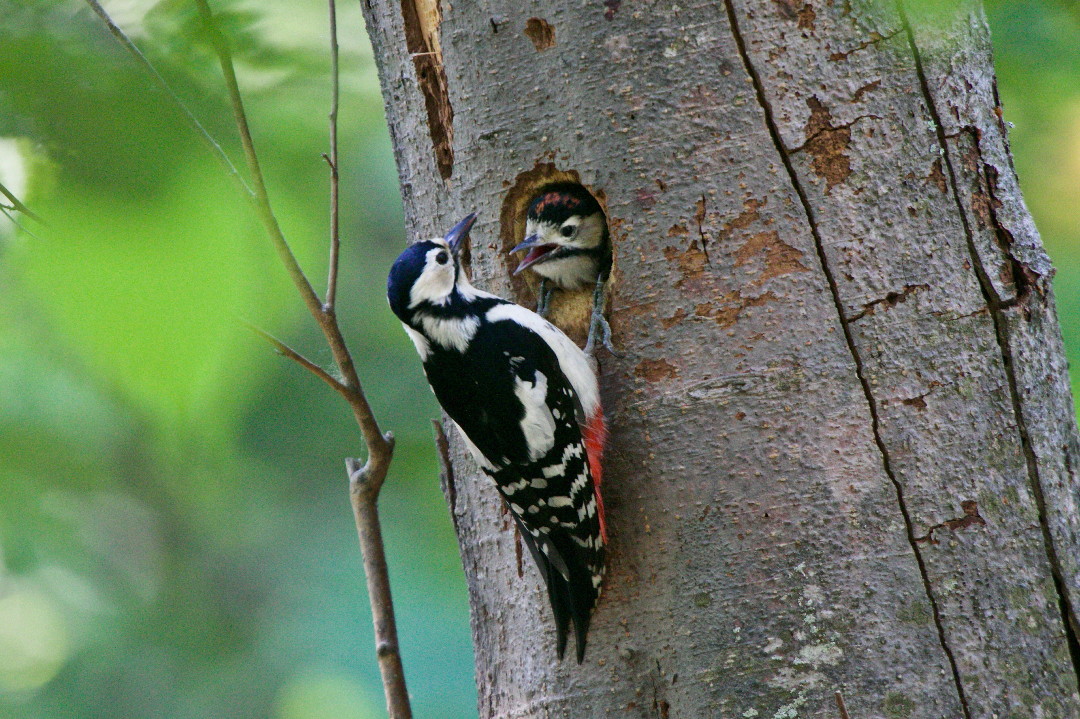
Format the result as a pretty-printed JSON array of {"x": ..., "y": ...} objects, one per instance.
[
  {"x": 536, "y": 252},
  {"x": 459, "y": 232}
]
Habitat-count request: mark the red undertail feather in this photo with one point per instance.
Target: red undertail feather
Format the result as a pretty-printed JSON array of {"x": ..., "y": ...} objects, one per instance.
[{"x": 595, "y": 435}]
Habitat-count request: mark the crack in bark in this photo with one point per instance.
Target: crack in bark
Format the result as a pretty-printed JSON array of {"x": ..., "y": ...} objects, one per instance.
[
  {"x": 875, "y": 37},
  {"x": 892, "y": 299},
  {"x": 997, "y": 307},
  {"x": 886, "y": 460},
  {"x": 699, "y": 216}
]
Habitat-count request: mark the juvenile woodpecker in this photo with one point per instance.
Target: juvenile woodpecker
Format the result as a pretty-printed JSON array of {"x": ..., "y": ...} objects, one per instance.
[
  {"x": 566, "y": 244},
  {"x": 525, "y": 400}
]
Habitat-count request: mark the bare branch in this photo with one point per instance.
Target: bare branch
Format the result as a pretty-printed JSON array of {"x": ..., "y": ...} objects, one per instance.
[
  {"x": 365, "y": 481},
  {"x": 188, "y": 115},
  {"x": 332, "y": 160},
  {"x": 379, "y": 450},
  {"x": 364, "y": 490}
]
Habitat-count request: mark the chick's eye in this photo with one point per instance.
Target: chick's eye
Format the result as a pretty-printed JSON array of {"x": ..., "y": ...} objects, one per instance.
[
  {"x": 568, "y": 230},
  {"x": 442, "y": 258}
]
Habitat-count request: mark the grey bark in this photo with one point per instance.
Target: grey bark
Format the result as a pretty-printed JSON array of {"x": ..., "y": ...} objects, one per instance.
[{"x": 843, "y": 447}]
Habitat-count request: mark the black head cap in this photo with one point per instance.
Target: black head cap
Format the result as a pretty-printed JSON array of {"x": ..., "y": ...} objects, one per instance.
[
  {"x": 403, "y": 275},
  {"x": 561, "y": 200}
]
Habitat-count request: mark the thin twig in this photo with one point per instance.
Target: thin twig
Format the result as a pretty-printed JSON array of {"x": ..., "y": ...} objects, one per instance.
[
  {"x": 367, "y": 480},
  {"x": 16, "y": 204},
  {"x": 332, "y": 160},
  {"x": 373, "y": 436},
  {"x": 188, "y": 114},
  {"x": 287, "y": 351},
  {"x": 7, "y": 213}
]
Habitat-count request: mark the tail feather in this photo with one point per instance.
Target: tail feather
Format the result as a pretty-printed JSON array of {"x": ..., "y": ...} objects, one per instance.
[{"x": 572, "y": 594}]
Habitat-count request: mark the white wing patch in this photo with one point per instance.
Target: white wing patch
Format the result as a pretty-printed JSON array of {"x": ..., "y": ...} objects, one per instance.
[
  {"x": 537, "y": 425},
  {"x": 574, "y": 363}
]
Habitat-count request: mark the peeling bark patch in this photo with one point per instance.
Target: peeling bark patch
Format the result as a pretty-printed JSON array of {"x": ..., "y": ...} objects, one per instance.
[
  {"x": 780, "y": 257},
  {"x": 611, "y": 7},
  {"x": 677, "y": 230},
  {"x": 937, "y": 176},
  {"x": 827, "y": 144},
  {"x": 916, "y": 402},
  {"x": 669, "y": 322},
  {"x": 744, "y": 219},
  {"x": 422, "y": 19},
  {"x": 656, "y": 370},
  {"x": 691, "y": 262},
  {"x": 807, "y": 17},
  {"x": 971, "y": 518},
  {"x": 728, "y": 307},
  {"x": 983, "y": 207},
  {"x": 888, "y": 301},
  {"x": 540, "y": 32},
  {"x": 868, "y": 87}
]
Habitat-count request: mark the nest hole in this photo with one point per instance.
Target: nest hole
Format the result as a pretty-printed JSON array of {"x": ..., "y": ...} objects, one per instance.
[{"x": 569, "y": 310}]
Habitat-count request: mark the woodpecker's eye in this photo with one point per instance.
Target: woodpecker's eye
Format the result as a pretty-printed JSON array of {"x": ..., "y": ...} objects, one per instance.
[
  {"x": 568, "y": 230},
  {"x": 442, "y": 258}
]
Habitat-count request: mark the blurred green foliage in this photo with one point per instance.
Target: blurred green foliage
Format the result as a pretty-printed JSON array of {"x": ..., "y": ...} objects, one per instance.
[{"x": 175, "y": 534}]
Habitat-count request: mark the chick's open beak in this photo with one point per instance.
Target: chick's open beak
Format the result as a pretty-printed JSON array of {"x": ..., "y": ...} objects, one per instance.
[
  {"x": 536, "y": 252},
  {"x": 460, "y": 232}
]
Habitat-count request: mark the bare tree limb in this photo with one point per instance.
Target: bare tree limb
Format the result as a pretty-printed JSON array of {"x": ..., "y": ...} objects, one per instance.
[
  {"x": 131, "y": 47},
  {"x": 364, "y": 490},
  {"x": 378, "y": 446},
  {"x": 367, "y": 480}
]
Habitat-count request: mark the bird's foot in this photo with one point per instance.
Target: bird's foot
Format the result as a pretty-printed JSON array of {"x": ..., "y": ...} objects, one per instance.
[
  {"x": 598, "y": 324},
  {"x": 543, "y": 304}
]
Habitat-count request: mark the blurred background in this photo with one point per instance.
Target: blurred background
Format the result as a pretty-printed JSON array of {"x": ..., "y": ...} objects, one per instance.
[{"x": 175, "y": 534}]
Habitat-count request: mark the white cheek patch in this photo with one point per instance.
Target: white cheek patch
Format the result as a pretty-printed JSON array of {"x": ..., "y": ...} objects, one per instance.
[
  {"x": 590, "y": 231},
  {"x": 435, "y": 283},
  {"x": 537, "y": 425}
]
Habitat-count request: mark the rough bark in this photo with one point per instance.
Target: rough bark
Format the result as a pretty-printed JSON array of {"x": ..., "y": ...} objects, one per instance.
[{"x": 843, "y": 438}]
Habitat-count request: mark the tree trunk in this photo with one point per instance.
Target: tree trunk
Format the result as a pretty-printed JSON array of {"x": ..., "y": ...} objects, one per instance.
[{"x": 843, "y": 440}]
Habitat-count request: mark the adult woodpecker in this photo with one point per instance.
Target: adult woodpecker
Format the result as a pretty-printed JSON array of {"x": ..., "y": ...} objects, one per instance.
[
  {"x": 567, "y": 244},
  {"x": 525, "y": 399}
]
